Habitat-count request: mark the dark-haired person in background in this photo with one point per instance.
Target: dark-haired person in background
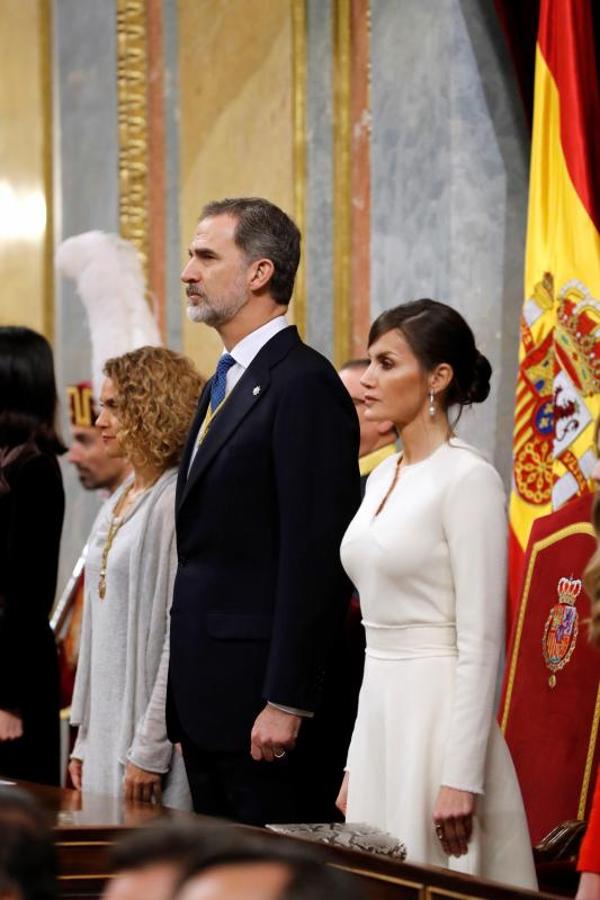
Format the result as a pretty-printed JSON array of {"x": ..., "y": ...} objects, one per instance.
[
  {"x": 426, "y": 551},
  {"x": 377, "y": 439},
  {"x": 28, "y": 864},
  {"x": 264, "y": 870},
  {"x": 31, "y": 517},
  {"x": 260, "y": 594},
  {"x": 150, "y": 861}
]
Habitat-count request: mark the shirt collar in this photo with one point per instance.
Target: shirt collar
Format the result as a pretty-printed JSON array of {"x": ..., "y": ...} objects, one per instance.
[
  {"x": 249, "y": 347},
  {"x": 368, "y": 462}
]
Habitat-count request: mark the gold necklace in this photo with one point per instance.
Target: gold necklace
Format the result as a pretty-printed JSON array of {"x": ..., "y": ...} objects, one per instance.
[{"x": 115, "y": 523}]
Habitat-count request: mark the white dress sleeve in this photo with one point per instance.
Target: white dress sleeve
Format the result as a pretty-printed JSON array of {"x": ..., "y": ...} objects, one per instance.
[{"x": 474, "y": 521}]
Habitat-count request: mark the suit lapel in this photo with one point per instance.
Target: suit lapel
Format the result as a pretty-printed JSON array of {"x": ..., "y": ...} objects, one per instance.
[
  {"x": 182, "y": 475},
  {"x": 249, "y": 391}
]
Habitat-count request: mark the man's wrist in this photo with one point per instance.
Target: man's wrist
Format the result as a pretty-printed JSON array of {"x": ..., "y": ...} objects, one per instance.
[{"x": 292, "y": 710}]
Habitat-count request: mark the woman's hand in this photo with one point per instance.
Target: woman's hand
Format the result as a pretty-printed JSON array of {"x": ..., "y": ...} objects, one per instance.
[
  {"x": 589, "y": 886},
  {"x": 342, "y": 798},
  {"x": 75, "y": 772},
  {"x": 11, "y": 726},
  {"x": 453, "y": 819},
  {"x": 141, "y": 786}
]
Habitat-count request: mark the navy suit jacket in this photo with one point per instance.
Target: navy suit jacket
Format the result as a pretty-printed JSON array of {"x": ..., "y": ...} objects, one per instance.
[{"x": 260, "y": 594}]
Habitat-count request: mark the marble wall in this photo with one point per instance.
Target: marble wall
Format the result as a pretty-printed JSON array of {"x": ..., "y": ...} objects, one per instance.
[
  {"x": 236, "y": 125},
  {"x": 318, "y": 239},
  {"x": 449, "y": 183},
  {"x": 86, "y": 197}
]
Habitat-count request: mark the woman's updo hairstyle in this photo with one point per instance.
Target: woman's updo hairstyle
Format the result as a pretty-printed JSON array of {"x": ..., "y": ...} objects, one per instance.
[{"x": 437, "y": 334}]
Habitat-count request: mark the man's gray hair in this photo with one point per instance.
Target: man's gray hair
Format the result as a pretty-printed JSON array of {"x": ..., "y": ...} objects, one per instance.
[{"x": 263, "y": 231}]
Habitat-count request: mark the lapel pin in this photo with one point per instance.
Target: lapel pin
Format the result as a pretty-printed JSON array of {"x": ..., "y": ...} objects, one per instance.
[{"x": 256, "y": 390}]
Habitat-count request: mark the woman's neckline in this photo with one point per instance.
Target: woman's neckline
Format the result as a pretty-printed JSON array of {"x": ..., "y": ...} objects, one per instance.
[{"x": 405, "y": 466}]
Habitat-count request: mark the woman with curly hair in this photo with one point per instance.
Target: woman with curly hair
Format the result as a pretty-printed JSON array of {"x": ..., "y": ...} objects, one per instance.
[
  {"x": 147, "y": 402},
  {"x": 589, "y": 855}
]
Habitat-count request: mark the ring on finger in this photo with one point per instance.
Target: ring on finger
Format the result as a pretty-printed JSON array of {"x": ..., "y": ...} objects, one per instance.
[
  {"x": 279, "y": 753},
  {"x": 440, "y": 832}
]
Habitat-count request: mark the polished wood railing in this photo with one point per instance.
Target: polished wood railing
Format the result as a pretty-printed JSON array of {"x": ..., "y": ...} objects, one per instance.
[{"x": 86, "y": 825}]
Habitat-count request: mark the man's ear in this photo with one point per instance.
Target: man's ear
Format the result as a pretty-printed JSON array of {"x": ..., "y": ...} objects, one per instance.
[{"x": 260, "y": 273}]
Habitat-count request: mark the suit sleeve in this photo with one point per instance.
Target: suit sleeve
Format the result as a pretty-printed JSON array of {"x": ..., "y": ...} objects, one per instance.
[
  {"x": 33, "y": 546},
  {"x": 475, "y": 527},
  {"x": 315, "y": 446}
]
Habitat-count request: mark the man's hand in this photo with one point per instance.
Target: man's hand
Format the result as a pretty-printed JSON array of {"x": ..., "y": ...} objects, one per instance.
[
  {"x": 273, "y": 734},
  {"x": 11, "y": 726},
  {"x": 75, "y": 771},
  {"x": 453, "y": 819},
  {"x": 140, "y": 786}
]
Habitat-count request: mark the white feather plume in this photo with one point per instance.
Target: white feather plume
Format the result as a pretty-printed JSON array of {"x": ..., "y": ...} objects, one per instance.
[{"x": 109, "y": 280}]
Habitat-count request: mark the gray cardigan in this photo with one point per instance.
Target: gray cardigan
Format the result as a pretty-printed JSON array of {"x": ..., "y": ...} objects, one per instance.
[{"x": 144, "y": 581}]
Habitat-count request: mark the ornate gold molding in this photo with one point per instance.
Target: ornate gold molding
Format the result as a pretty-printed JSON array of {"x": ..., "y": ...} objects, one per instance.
[
  {"x": 299, "y": 44},
  {"x": 342, "y": 179},
  {"x": 48, "y": 164},
  {"x": 132, "y": 99}
]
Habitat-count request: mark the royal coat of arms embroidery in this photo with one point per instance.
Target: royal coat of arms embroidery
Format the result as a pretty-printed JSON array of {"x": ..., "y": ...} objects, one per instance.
[{"x": 562, "y": 628}]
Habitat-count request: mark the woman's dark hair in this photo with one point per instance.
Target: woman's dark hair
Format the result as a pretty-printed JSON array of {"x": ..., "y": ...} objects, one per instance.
[
  {"x": 27, "y": 390},
  {"x": 28, "y": 863},
  {"x": 437, "y": 334}
]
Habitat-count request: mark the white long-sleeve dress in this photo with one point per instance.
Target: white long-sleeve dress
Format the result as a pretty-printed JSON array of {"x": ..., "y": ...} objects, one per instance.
[{"x": 430, "y": 570}]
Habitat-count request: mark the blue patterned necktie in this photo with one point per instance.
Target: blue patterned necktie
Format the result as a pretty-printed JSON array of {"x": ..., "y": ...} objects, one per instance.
[{"x": 219, "y": 383}]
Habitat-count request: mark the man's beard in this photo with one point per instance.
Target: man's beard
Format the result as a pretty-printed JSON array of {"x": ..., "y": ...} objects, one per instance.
[{"x": 215, "y": 312}]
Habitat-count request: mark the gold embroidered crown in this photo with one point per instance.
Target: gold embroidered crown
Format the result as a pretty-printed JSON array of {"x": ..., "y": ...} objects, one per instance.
[
  {"x": 569, "y": 590},
  {"x": 578, "y": 334}
]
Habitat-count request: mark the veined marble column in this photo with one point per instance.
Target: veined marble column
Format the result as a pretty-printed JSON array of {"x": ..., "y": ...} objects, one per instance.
[{"x": 449, "y": 183}]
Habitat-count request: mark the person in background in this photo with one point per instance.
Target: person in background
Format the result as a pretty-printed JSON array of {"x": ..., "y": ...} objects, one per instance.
[
  {"x": 28, "y": 864},
  {"x": 31, "y": 519},
  {"x": 264, "y": 870},
  {"x": 147, "y": 402},
  {"x": 426, "y": 552},
  {"x": 589, "y": 855},
  {"x": 377, "y": 439},
  {"x": 150, "y": 861},
  {"x": 97, "y": 471}
]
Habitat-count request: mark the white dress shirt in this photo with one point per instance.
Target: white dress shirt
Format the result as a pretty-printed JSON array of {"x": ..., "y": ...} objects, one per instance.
[{"x": 249, "y": 347}]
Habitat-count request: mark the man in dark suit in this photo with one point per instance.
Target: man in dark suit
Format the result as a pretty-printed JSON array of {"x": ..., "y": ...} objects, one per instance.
[{"x": 268, "y": 483}]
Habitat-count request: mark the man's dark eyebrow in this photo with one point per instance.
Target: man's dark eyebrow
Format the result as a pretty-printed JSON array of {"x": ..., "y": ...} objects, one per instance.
[{"x": 202, "y": 252}]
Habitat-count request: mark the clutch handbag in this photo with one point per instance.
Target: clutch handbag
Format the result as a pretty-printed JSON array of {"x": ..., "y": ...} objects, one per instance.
[{"x": 349, "y": 835}]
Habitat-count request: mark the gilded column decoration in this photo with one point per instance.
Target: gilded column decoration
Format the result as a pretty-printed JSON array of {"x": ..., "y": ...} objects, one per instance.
[
  {"x": 48, "y": 165},
  {"x": 360, "y": 105},
  {"x": 299, "y": 111},
  {"x": 342, "y": 180},
  {"x": 132, "y": 80}
]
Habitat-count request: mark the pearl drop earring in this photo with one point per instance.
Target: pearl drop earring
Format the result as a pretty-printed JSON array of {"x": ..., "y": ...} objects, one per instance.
[{"x": 431, "y": 404}]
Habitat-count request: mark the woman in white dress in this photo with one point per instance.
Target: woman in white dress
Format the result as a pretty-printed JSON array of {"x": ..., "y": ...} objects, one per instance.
[
  {"x": 427, "y": 553},
  {"x": 148, "y": 400}
]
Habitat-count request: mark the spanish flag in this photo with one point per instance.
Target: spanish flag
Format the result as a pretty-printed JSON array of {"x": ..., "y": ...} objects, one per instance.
[{"x": 558, "y": 387}]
